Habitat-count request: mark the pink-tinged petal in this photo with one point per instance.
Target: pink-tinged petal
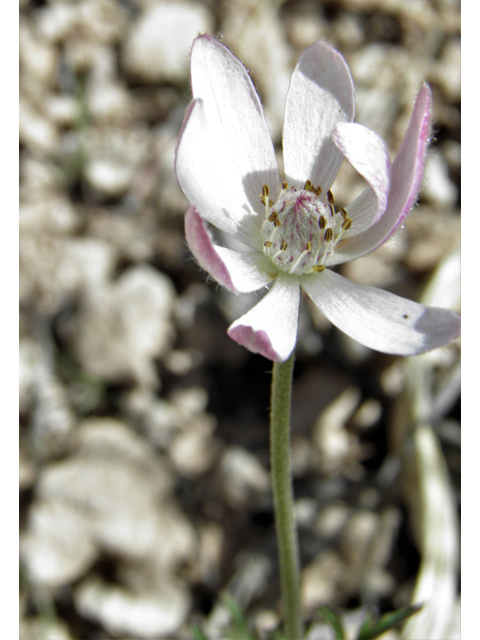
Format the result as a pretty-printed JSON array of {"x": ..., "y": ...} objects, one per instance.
[
  {"x": 368, "y": 155},
  {"x": 211, "y": 181},
  {"x": 405, "y": 182},
  {"x": 378, "y": 319},
  {"x": 225, "y": 153},
  {"x": 319, "y": 97},
  {"x": 270, "y": 328},
  {"x": 240, "y": 272}
]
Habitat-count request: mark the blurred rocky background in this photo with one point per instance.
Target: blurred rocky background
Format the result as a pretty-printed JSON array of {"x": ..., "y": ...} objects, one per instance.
[{"x": 144, "y": 455}]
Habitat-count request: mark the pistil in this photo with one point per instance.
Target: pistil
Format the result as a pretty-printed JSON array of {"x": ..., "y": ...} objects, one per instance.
[{"x": 301, "y": 229}]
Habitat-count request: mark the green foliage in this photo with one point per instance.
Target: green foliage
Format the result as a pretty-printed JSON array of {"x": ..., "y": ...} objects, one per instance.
[
  {"x": 372, "y": 629},
  {"x": 334, "y": 621},
  {"x": 197, "y": 633},
  {"x": 239, "y": 629}
]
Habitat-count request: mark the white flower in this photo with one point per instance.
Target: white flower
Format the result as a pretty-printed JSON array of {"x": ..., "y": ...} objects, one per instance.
[{"x": 293, "y": 235}]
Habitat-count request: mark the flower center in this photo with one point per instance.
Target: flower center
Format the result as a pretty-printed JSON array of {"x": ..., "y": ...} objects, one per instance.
[{"x": 300, "y": 230}]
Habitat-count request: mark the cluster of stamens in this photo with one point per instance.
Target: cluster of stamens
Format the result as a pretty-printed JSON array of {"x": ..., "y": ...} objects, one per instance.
[{"x": 301, "y": 229}]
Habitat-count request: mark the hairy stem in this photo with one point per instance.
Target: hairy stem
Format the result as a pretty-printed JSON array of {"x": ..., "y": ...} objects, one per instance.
[{"x": 283, "y": 497}]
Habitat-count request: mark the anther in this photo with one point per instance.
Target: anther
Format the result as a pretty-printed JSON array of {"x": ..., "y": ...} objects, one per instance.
[
  {"x": 330, "y": 198},
  {"x": 309, "y": 186},
  {"x": 343, "y": 213},
  {"x": 318, "y": 190},
  {"x": 309, "y": 246},
  {"x": 322, "y": 222},
  {"x": 265, "y": 191},
  {"x": 273, "y": 217},
  {"x": 328, "y": 234},
  {"x": 318, "y": 268},
  {"x": 347, "y": 224},
  {"x": 284, "y": 186},
  {"x": 267, "y": 244},
  {"x": 284, "y": 245}
]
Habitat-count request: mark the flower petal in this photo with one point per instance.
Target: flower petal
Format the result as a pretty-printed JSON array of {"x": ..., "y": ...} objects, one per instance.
[
  {"x": 209, "y": 181},
  {"x": 240, "y": 272},
  {"x": 320, "y": 95},
  {"x": 378, "y": 319},
  {"x": 368, "y": 155},
  {"x": 270, "y": 328},
  {"x": 225, "y": 153},
  {"x": 406, "y": 178}
]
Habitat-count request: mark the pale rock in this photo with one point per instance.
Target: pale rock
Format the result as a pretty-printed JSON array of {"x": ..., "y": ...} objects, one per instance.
[
  {"x": 256, "y": 35},
  {"x": 305, "y": 27},
  {"x": 104, "y": 21},
  {"x": 128, "y": 234},
  {"x": 82, "y": 53},
  {"x": 305, "y": 512},
  {"x": 154, "y": 613},
  {"x": 437, "y": 186},
  {"x": 191, "y": 401},
  {"x": 53, "y": 420},
  {"x": 433, "y": 234},
  {"x": 452, "y": 151},
  {"x": 194, "y": 451},
  {"x": 331, "y": 520},
  {"x": 376, "y": 108},
  {"x": 56, "y": 21},
  {"x": 35, "y": 129},
  {"x": 109, "y": 177},
  {"x": 121, "y": 492},
  {"x": 27, "y": 359},
  {"x": 367, "y": 414},
  {"x": 113, "y": 158},
  {"x": 321, "y": 580},
  {"x": 349, "y": 31},
  {"x": 356, "y": 539},
  {"x": 123, "y": 326},
  {"x": 334, "y": 442},
  {"x": 242, "y": 476},
  {"x": 211, "y": 546},
  {"x": 64, "y": 110},
  {"x": 58, "y": 545},
  {"x": 38, "y": 175},
  {"x": 379, "y": 268},
  {"x": 159, "y": 418},
  {"x": 171, "y": 197},
  {"x": 377, "y": 65},
  {"x": 48, "y": 212},
  {"x": 108, "y": 437},
  {"x": 158, "y": 45},
  {"x": 53, "y": 269},
  {"x": 108, "y": 102},
  {"x": 165, "y": 421},
  {"x": 38, "y": 58},
  {"x": 181, "y": 361},
  {"x": 447, "y": 70},
  {"x": 26, "y": 471}
]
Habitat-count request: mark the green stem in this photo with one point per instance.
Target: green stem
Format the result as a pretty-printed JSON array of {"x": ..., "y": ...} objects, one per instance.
[{"x": 283, "y": 497}]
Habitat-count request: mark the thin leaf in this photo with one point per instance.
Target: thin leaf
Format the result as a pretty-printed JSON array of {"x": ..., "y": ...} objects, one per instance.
[
  {"x": 388, "y": 621},
  {"x": 334, "y": 621},
  {"x": 197, "y": 633},
  {"x": 238, "y": 618}
]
